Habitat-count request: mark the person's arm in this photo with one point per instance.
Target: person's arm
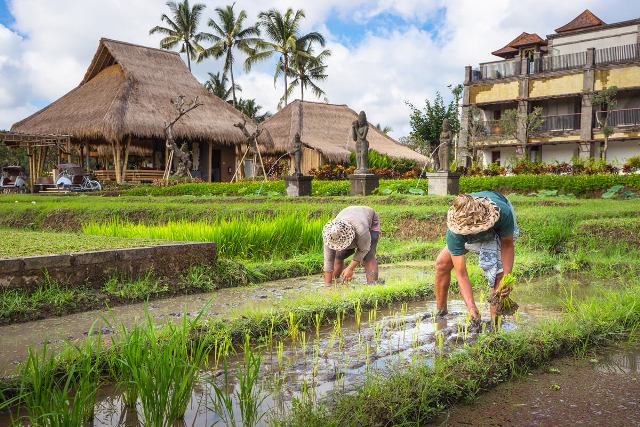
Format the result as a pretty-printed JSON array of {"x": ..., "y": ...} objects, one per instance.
[
  {"x": 329, "y": 258},
  {"x": 347, "y": 273},
  {"x": 507, "y": 255},
  {"x": 466, "y": 290}
]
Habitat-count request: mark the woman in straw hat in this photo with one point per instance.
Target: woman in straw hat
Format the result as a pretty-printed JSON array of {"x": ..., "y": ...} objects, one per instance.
[
  {"x": 355, "y": 230},
  {"x": 484, "y": 223}
]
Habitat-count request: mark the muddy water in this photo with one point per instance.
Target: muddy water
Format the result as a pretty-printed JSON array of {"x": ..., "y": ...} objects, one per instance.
[
  {"x": 16, "y": 339},
  {"x": 337, "y": 357},
  {"x": 602, "y": 389}
]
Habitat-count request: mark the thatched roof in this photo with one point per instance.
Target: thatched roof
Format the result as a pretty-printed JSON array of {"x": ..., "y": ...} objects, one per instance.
[
  {"x": 127, "y": 90},
  {"x": 327, "y": 129}
]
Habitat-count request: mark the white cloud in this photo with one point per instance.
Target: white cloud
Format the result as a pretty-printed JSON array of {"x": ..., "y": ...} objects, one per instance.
[{"x": 51, "y": 43}]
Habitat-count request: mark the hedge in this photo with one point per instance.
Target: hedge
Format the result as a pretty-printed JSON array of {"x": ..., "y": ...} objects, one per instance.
[{"x": 578, "y": 185}]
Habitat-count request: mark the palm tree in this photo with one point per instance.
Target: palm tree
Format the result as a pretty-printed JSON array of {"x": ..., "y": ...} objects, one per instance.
[
  {"x": 229, "y": 34},
  {"x": 251, "y": 109},
  {"x": 217, "y": 85},
  {"x": 385, "y": 129},
  {"x": 305, "y": 69},
  {"x": 182, "y": 29},
  {"x": 282, "y": 31}
]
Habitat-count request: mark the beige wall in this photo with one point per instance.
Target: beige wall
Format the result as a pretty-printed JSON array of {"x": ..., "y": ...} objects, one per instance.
[
  {"x": 311, "y": 159},
  {"x": 621, "y": 77},
  {"x": 597, "y": 39},
  {"x": 493, "y": 92},
  {"x": 552, "y": 86}
]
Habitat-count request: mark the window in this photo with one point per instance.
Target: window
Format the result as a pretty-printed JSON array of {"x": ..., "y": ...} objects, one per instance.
[
  {"x": 495, "y": 157},
  {"x": 497, "y": 114}
]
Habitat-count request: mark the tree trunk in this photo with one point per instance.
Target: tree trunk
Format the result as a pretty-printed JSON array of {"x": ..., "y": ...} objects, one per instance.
[
  {"x": 285, "y": 79},
  {"x": 233, "y": 86},
  {"x": 188, "y": 50},
  {"x": 301, "y": 91}
]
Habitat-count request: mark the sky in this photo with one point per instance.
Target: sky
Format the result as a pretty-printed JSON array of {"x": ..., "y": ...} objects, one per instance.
[{"x": 385, "y": 53}]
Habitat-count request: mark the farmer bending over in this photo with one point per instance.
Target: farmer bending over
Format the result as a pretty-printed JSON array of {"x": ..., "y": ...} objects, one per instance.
[
  {"x": 484, "y": 223},
  {"x": 354, "y": 229}
]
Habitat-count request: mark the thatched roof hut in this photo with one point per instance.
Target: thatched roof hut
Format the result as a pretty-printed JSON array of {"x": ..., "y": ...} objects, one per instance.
[
  {"x": 123, "y": 104},
  {"x": 326, "y": 128},
  {"x": 126, "y": 91}
]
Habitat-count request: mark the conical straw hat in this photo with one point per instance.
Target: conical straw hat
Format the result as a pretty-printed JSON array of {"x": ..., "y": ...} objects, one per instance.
[
  {"x": 338, "y": 235},
  {"x": 469, "y": 215}
]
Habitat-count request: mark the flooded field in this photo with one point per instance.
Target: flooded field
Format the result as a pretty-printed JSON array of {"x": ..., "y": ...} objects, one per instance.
[{"x": 336, "y": 353}]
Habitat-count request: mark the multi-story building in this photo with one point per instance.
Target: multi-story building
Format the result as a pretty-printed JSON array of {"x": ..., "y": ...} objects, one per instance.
[{"x": 560, "y": 74}]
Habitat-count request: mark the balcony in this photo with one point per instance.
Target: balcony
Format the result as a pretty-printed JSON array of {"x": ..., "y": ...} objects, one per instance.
[
  {"x": 547, "y": 63},
  {"x": 622, "y": 118},
  {"x": 560, "y": 123}
]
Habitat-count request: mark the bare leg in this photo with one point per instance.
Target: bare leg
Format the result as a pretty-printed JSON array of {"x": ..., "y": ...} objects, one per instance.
[
  {"x": 371, "y": 270},
  {"x": 338, "y": 266},
  {"x": 444, "y": 265}
]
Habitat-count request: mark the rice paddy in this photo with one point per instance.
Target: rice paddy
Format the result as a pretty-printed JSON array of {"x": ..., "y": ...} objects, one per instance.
[{"x": 351, "y": 355}]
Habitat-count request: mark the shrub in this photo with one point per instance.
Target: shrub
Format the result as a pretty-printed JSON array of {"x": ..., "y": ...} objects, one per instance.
[{"x": 632, "y": 164}]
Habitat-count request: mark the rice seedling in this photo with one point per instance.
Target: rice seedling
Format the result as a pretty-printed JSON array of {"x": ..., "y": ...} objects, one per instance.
[
  {"x": 249, "y": 393},
  {"x": 59, "y": 399},
  {"x": 505, "y": 306},
  {"x": 257, "y": 237},
  {"x": 357, "y": 309},
  {"x": 293, "y": 328},
  {"x": 135, "y": 289},
  {"x": 166, "y": 378},
  {"x": 317, "y": 320}
]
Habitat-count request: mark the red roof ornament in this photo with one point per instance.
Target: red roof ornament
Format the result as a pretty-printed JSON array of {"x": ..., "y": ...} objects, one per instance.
[
  {"x": 524, "y": 39},
  {"x": 585, "y": 20}
]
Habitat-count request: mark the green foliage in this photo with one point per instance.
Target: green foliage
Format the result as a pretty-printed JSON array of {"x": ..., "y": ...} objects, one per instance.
[
  {"x": 633, "y": 163},
  {"x": 383, "y": 161},
  {"x": 426, "y": 124},
  {"x": 135, "y": 289},
  {"x": 11, "y": 157},
  {"x": 509, "y": 121}
]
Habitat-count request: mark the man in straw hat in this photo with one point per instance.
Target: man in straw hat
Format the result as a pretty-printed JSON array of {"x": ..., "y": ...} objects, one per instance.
[
  {"x": 484, "y": 223},
  {"x": 355, "y": 229}
]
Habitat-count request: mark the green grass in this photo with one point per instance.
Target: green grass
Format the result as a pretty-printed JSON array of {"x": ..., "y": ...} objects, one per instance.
[
  {"x": 19, "y": 243},
  {"x": 258, "y": 237}
]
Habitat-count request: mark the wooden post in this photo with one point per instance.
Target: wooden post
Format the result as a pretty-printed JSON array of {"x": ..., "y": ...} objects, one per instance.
[
  {"x": 210, "y": 172},
  {"x": 126, "y": 159},
  {"x": 115, "y": 147}
]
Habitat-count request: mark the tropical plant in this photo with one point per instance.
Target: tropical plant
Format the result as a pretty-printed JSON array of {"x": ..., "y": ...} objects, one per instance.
[
  {"x": 426, "y": 124},
  {"x": 305, "y": 69},
  {"x": 229, "y": 34},
  {"x": 282, "y": 31},
  {"x": 385, "y": 129},
  {"x": 182, "y": 29},
  {"x": 251, "y": 109},
  {"x": 217, "y": 85},
  {"x": 606, "y": 99}
]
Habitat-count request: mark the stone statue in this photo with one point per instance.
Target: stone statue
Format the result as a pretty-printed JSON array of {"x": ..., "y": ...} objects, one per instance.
[
  {"x": 297, "y": 154},
  {"x": 359, "y": 130},
  {"x": 445, "y": 147},
  {"x": 181, "y": 155}
]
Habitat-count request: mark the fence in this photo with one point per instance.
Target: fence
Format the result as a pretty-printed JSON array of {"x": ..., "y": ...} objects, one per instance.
[
  {"x": 560, "y": 122},
  {"x": 625, "y": 53}
]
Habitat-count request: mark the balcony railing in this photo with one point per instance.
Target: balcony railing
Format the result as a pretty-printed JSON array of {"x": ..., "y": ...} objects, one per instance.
[
  {"x": 562, "y": 122},
  {"x": 511, "y": 67},
  {"x": 614, "y": 54},
  {"x": 620, "y": 118},
  {"x": 495, "y": 70},
  {"x": 490, "y": 127},
  {"x": 562, "y": 62}
]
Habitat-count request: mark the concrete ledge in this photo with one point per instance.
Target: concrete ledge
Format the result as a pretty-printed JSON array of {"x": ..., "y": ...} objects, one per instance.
[{"x": 94, "y": 268}]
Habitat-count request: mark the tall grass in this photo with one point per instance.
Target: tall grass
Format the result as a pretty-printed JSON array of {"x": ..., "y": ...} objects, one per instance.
[{"x": 257, "y": 237}]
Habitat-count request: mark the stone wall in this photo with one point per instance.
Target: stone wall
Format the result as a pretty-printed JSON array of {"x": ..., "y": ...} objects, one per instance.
[{"x": 94, "y": 268}]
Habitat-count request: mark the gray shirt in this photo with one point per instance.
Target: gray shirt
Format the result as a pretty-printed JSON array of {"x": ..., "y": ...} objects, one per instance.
[{"x": 364, "y": 220}]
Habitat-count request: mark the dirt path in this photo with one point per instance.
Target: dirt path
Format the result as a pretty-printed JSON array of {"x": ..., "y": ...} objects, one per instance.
[
  {"x": 17, "y": 338},
  {"x": 603, "y": 390}
]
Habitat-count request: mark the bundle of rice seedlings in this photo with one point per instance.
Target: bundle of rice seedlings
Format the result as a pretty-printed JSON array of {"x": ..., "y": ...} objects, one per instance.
[{"x": 505, "y": 306}]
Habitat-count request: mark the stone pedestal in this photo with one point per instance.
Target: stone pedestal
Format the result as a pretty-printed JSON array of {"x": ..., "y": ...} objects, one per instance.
[
  {"x": 363, "y": 184},
  {"x": 298, "y": 185},
  {"x": 443, "y": 183}
]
